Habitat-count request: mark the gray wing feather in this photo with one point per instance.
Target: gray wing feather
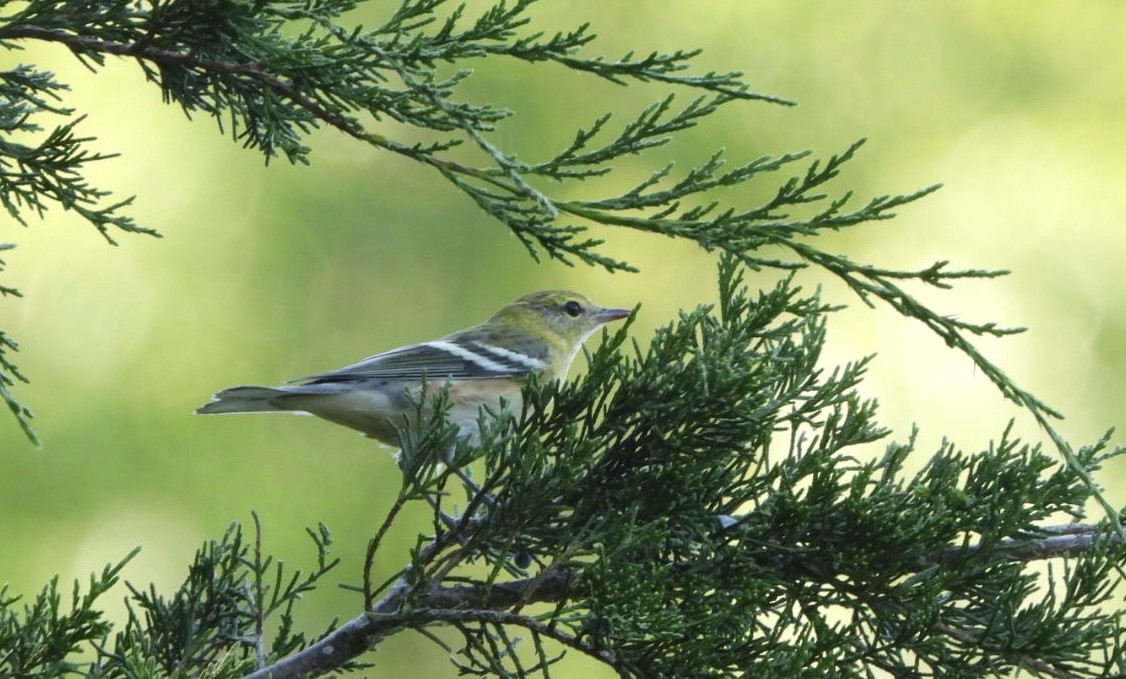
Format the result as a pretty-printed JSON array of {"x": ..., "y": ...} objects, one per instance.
[{"x": 444, "y": 359}]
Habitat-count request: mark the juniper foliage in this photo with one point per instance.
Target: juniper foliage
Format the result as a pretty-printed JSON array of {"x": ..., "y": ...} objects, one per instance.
[
  {"x": 718, "y": 504},
  {"x": 714, "y": 505}
]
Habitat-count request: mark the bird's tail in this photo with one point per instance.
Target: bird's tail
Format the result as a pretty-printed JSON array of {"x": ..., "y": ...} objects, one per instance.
[{"x": 249, "y": 399}]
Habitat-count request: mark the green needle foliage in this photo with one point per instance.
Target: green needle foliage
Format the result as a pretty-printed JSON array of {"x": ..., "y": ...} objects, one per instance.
[
  {"x": 719, "y": 504},
  {"x": 716, "y": 505}
]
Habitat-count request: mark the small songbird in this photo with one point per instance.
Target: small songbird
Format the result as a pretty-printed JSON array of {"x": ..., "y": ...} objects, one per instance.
[{"x": 539, "y": 333}]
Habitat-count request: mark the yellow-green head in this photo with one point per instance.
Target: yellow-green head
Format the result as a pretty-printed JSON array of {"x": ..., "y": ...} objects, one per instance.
[{"x": 549, "y": 325}]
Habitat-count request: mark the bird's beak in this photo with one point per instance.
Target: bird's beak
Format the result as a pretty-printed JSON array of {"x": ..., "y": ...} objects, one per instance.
[{"x": 605, "y": 315}]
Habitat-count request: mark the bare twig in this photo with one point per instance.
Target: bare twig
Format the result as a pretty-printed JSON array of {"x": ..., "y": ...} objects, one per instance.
[
  {"x": 259, "y": 596},
  {"x": 373, "y": 545}
]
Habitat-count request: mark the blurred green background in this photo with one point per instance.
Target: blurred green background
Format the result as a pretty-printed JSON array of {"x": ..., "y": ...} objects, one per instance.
[{"x": 267, "y": 273}]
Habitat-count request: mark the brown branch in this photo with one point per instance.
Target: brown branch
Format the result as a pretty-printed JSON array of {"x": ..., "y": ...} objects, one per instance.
[
  {"x": 1066, "y": 540},
  {"x": 538, "y": 589},
  {"x": 491, "y": 604},
  {"x": 441, "y": 604}
]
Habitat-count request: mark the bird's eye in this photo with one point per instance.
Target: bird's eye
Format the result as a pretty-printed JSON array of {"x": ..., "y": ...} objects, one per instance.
[{"x": 572, "y": 309}]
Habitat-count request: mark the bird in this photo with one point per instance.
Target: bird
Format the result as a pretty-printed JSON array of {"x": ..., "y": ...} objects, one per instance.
[{"x": 482, "y": 367}]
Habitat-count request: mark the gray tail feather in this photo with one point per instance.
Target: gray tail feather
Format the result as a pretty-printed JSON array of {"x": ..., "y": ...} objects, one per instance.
[{"x": 249, "y": 399}]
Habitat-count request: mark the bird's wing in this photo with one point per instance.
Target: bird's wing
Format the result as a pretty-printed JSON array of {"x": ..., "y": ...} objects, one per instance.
[{"x": 450, "y": 358}]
